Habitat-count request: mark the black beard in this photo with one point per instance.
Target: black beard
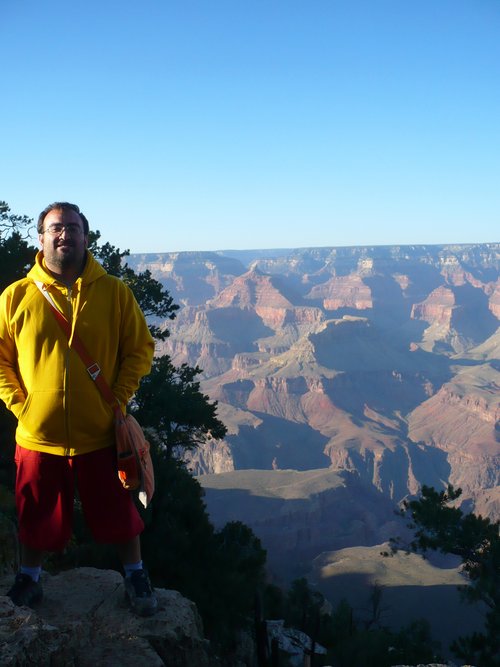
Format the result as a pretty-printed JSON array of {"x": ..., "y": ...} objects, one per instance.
[{"x": 69, "y": 260}]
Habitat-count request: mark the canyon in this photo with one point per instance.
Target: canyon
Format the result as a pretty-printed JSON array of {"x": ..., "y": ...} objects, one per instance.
[{"x": 347, "y": 378}]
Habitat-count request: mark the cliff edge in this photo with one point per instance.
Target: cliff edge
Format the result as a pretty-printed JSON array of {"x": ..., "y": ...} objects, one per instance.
[{"x": 84, "y": 620}]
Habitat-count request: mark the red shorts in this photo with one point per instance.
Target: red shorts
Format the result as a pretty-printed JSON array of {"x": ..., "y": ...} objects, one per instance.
[{"x": 45, "y": 489}]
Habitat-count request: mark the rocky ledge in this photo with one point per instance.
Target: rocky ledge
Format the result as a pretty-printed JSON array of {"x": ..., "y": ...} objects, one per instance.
[{"x": 84, "y": 620}]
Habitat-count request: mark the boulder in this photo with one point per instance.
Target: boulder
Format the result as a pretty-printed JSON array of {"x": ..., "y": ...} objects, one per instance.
[{"x": 84, "y": 620}]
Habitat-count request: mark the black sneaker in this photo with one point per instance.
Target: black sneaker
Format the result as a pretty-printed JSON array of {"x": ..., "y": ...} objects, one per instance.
[
  {"x": 25, "y": 591},
  {"x": 139, "y": 592}
]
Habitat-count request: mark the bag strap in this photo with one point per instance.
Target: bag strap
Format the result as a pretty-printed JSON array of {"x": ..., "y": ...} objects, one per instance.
[{"x": 93, "y": 368}]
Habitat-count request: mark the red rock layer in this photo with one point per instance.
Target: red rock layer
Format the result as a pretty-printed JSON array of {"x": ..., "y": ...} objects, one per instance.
[
  {"x": 343, "y": 292},
  {"x": 437, "y": 308}
]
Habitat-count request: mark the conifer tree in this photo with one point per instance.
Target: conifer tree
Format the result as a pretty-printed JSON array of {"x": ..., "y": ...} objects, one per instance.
[
  {"x": 16, "y": 256},
  {"x": 442, "y": 526}
]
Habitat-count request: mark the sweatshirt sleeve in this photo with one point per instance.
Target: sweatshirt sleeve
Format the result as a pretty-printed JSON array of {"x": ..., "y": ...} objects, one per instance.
[
  {"x": 11, "y": 390},
  {"x": 136, "y": 349}
]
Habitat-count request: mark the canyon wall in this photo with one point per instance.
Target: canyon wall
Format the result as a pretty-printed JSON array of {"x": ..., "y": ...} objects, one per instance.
[{"x": 379, "y": 364}]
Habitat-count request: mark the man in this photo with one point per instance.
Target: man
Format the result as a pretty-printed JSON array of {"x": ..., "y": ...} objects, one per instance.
[{"x": 65, "y": 428}]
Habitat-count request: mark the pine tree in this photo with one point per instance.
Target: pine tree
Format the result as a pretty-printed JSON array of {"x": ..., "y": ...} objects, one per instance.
[{"x": 440, "y": 525}]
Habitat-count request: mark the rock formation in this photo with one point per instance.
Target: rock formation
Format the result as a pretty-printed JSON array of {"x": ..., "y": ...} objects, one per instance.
[
  {"x": 84, "y": 620},
  {"x": 378, "y": 363}
]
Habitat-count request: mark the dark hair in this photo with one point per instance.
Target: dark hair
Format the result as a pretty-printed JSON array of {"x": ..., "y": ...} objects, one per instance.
[{"x": 65, "y": 206}]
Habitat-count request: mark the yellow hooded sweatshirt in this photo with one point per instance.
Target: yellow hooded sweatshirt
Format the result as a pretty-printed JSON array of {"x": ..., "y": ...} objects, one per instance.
[{"x": 44, "y": 382}]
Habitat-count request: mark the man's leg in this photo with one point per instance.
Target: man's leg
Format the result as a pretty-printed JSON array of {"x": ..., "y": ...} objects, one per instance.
[
  {"x": 130, "y": 552},
  {"x": 113, "y": 518},
  {"x": 44, "y": 501},
  {"x": 27, "y": 588},
  {"x": 138, "y": 587},
  {"x": 31, "y": 557},
  {"x": 137, "y": 584}
]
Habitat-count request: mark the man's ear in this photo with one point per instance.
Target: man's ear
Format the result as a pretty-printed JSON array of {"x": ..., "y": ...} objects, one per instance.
[{"x": 40, "y": 240}]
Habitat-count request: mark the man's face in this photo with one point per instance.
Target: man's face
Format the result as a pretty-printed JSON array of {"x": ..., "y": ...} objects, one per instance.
[{"x": 66, "y": 249}]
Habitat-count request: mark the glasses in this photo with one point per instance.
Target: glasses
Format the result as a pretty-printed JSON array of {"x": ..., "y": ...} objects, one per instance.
[{"x": 57, "y": 229}]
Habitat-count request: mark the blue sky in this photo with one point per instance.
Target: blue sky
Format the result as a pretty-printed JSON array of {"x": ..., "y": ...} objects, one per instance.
[{"x": 189, "y": 125}]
